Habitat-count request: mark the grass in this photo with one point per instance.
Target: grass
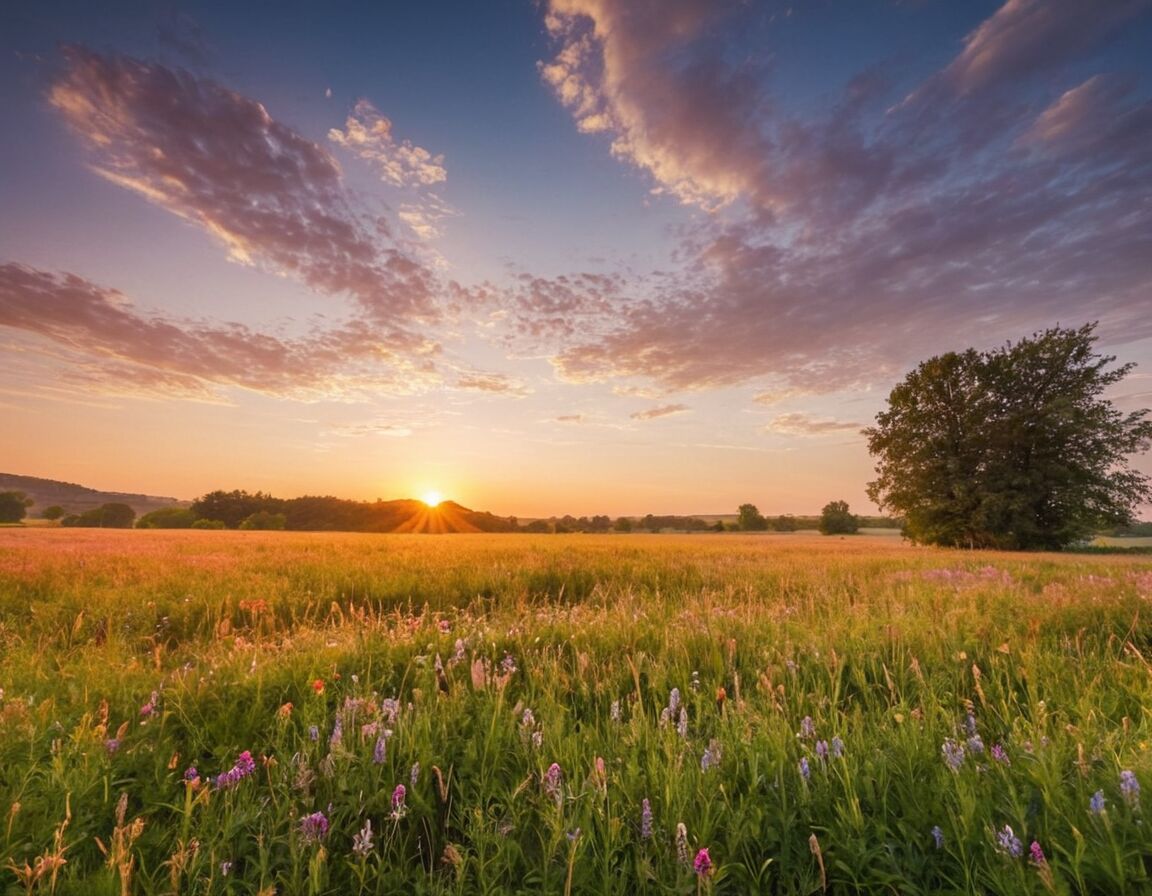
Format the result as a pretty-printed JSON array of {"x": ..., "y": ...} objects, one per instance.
[{"x": 521, "y": 690}]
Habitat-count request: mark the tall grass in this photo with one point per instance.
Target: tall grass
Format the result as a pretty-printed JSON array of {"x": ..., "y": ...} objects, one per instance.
[{"x": 850, "y": 715}]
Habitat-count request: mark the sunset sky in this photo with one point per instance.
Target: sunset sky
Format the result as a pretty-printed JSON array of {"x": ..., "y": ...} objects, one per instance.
[{"x": 574, "y": 256}]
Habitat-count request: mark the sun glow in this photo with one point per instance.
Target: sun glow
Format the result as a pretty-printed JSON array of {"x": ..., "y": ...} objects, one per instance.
[{"x": 432, "y": 498}]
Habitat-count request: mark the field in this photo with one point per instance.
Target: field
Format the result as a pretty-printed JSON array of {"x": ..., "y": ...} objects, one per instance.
[{"x": 258, "y": 713}]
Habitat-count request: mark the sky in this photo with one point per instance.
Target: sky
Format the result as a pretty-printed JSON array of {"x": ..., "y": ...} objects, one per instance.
[{"x": 567, "y": 256}]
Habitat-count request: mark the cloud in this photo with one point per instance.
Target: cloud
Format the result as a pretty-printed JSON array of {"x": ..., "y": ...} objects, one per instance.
[
  {"x": 368, "y": 135},
  {"x": 570, "y": 418},
  {"x": 108, "y": 345},
  {"x": 372, "y": 428},
  {"x": 803, "y": 425},
  {"x": 492, "y": 383},
  {"x": 663, "y": 411},
  {"x": 220, "y": 161},
  {"x": 853, "y": 238}
]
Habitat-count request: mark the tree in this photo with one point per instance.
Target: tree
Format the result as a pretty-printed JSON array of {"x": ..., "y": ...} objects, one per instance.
[
  {"x": 167, "y": 518},
  {"x": 107, "y": 516},
  {"x": 751, "y": 519},
  {"x": 264, "y": 520},
  {"x": 1013, "y": 448},
  {"x": 836, "y": 519},
  {"x": 13, "y": 506},
  {"x": 623, "y": 524},
  {"x": 52, "y": 513},
  {"x": 785, "y": 523},
  {"x": 235, "y": 506}
]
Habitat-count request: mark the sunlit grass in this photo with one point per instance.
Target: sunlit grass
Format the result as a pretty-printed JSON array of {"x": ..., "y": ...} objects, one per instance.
[{"x": 506, "y": 654}]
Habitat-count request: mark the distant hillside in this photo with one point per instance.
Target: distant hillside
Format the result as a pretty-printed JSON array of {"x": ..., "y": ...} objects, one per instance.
[{"x": 78, "y": 498}]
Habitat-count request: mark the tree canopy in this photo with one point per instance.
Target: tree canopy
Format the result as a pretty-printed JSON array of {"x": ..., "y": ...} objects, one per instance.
[
  {"x": 837, "y": 519},
  {"x": 1014, "y": 448},
  {"x": 13, "y": 506}
]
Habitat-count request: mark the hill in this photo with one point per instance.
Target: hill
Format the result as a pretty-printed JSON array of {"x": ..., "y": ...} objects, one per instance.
[{"x": 78, "y": 498}]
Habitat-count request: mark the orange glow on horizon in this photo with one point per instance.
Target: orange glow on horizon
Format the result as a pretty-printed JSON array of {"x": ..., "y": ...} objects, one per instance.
[{"x": 432, "y": 498}]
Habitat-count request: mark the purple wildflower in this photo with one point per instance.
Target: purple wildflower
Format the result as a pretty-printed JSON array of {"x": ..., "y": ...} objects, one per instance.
[
  {"x": 703, "y": 863},
  {"x": 1008, "y": 843},
  {"x": 822, "y": 749},
  {"x": 970, "y": 725},
  {"x": 953, "y": 753},
  {"x": 399, "y": 802},
  {"x": 1130, "y": 788},
  {"x": 553, "y": 779},
  {"x": 682, "y": 724},
  {"x": 673, "y": 701},
  {"x": 112, "y": 744},
  {"x": 645, "y": 819},
  {"x": 805, "y": 771},
  {"x": 837, "y": 748},
  {"x": 537, "y": 739},
  {"x": 938, "y": 836},
  {"x": 225, "y": 869},
  {"x": 1037, "y": 852},
  {"x": 711, "y": 757},
  {"x": 1096, "y": 804},
  {"x": 314, "y": 827},
  {"x": 337, "y": 736},
  {"x": 150, "y": 706},
  {"x": 508, "y": 664},
  {"x": 362, "y": 842},
  {"x": 975, "y": 744},
  {"x": 191, "y": 774},
  {"x": 313, "y": 733},
  {"x": 528, "y": 719},
  {"x": 458, "y": 654},
  {"x": 807, "y": 727},
  {"x": 242, "y": 769},
  {"x": 380, "y": 751},
  {"x": 1000, "y": 754}
]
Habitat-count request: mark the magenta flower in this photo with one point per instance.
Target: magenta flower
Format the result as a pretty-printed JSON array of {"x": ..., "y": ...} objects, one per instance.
[
  {"x": 399, "y": 802},
  {"x": 1037, "y": 852},
  {"x": 314, "y": 827},
  {"x": 244, "y": 767},
  {"x": 703, "y": 863},
  {"x": 553, "y": 779}
]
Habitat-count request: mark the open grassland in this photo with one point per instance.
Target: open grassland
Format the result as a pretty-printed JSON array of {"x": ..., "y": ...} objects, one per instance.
[{"x": 854, "y": 714}]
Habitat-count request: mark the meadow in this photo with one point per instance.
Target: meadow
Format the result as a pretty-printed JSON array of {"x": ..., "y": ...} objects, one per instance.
[{"x": 283, "y": 713}]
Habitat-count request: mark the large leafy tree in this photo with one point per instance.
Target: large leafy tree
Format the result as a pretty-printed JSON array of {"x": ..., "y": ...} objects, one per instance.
[{"x": 1014, "y": 448}]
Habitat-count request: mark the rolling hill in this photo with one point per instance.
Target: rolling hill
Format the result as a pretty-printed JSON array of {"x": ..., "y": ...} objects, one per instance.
[{"x": 78, "y": 498}]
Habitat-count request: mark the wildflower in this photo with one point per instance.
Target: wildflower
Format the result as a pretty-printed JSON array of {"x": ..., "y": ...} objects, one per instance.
[
  {"x": 807, "y": 727},
  {"x": 673, "y": 701},
  {"x": 552, "y": 783},
  {"x": 362, "y": 842},
  {"x": 1037, "y": 853},
  {"x": 645, "y": 819},
  {"x": 191, "y": 775},
  {"x": 314, "y": 827},
  {"x": 614, "y": 712},
  {"x": 399, "y": 802},
  {"x": 225, "y": 868},
  {"x": 975, "y": 744},
  {"x": 703, "y": 863},
  {"x": 682, "y": 725},
  {"x": 938, "y": 836},
  {"x": 1008, "y": 843},
  {"x": 414, "y": 774},
  {"x": 389, "y": 708},
  {"x": 537, "y": 739},
  {"x": 150, "y": 706},
  {"x": 445, "y": 626},
  {"x": 243, "y": 767},
  {"x": 822, "y": 749},
  {"x": 953, "y": 753},
  {"x": 284, "y": 711},
  {"x": 380, "y": 751},
  {"x": 1130, "y": 788},
  {"x": 112, "y": 744},
  {"x": 313, "y": 733},
  {"x": 711, "y": 757},
  {"x": 805, "y": 771},
  {"x": 508, "y": 664},
  {"x": 837, "y": 748},
  {"x": 337, "y": 736},
  {"x": 318, "y": 686},
  {"x": 682, "y": 854},
  {"x": 1000, "y": 754},
  {"x": 458, "y": 654},
  {"x": 970, "y": 725},
  {"x": 573, "y": 835},
  {"x": 1096, "y": 804},
  {"x": 721, "y": 697},
  {"x": 527, "y": 719}
]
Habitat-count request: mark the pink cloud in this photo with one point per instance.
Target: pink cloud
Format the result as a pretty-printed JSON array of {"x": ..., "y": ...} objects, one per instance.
[
  {"x": 663, "y": 411},
  {"x": 218, "y": 160},
  {"x": 368, "y": 135}
]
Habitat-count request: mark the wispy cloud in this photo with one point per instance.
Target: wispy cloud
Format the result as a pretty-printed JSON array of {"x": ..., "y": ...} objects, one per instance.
[
  {"x": 368, "y": 135},
  {"x": 804, "y": 425},
  {"x": 219, "y": 160},
  {"x": 493, "y": 384},
  {"x": 666, "y": 410},
  {"x": 855, "y": 239}
]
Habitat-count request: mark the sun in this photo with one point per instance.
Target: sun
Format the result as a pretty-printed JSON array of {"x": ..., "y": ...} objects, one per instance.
[{"x": 432, "y": 498}]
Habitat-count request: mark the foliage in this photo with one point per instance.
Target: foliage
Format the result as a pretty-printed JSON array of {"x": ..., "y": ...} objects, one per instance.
[
  {"x": 113, "y": 515},
  {"x": 167, "y": 518},
  {"x": 233, "y": 507},
  {"x": 837, "y": 519},
  {"x": 54, "y": 512},
  {"x": 785, "y": 523},
  {"x": 845, "y": 704},
  {"x": 1014, "y": 448},
  {"x": 751, "y": 519},
  {"x": 263, "y": 520},
  {"x": 13, "y": 506},
  {"x": 208, "y": 524}
]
